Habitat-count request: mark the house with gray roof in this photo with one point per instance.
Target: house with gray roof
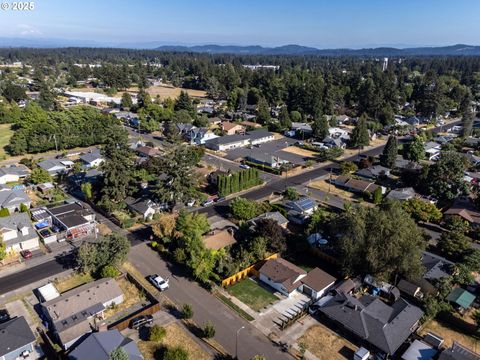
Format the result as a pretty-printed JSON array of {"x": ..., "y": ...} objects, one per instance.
[
  {"x": 13, "y": 173},
  {"x": 16, "y": 339},
  {"x": 99, "y": 345},
  {"x": 92, "y": 159},
  {"x": 18, "y": 233},
  {"x": 77, "y": 312},
  {"x": 12, "y": 199},
  {"x": 458, "y": 352},
  {"x": 401, "y": 194},
  {"x": 266, "y": 160},
  {"x": 143, "y": 206},
  {"x": 272, "y": 215},
  {"x": 386, "y": 327},
  {"x": 56, "y": 166},
  {"x": 373, "y": 172}
]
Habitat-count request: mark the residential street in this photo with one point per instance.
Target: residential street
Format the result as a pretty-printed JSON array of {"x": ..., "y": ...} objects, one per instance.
[{"x": 206, "y": 307}]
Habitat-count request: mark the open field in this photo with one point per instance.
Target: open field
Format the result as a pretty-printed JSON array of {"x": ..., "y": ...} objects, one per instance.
[
  {"x": 252, "y": 294},
  {"x": 299, "y": 151},
  {"x": 165, "y": 91},
  {"x": 449, "y": 334},
  {"x": 72, "y": 281},
  {"x": 173, "y": 92},
  {"x": 176, "y": 336},
  {"x": 326, "y": 345},
  {"x": 5, "y": 134}
]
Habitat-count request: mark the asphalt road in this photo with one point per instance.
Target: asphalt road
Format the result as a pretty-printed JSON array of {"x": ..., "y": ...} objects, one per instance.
[{"x": 206, "y": 307}]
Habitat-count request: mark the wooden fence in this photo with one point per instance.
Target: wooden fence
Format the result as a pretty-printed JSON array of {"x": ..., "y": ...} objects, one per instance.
[
  {"x": 150, "y": 309},
  {"x": 251, "y": 270}
]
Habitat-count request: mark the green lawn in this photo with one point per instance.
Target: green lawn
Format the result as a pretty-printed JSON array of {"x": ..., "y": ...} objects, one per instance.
[
  {"x": 5, "y": 135},
  {"x": 252, "y": 294}
]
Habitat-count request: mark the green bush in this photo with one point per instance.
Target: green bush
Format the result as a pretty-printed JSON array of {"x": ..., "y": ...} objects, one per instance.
[
  {"x": 109, "y": 271},
  {"x": 157, "y": 333},
  {"x": 175, "y": 353},
  {"x": 187, "y": 311},
  {"x": 127, "y": 223},
  {"x": 4, "y": 212},
  {"x": 208, "y": 330}
]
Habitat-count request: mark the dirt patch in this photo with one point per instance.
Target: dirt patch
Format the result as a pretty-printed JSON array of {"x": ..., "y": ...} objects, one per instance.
[
  {"x": 448, "y": 334},
  {"x": 326, "y": 345},
  {"x": 72, "y": 281},
  {"x": 131, "y": 296},
  {"x": 176, "y": 336},
  {"x": 325, "y": 186},
  {"x": 301, "y": 152},
  {"x": 104, "y": 229}
]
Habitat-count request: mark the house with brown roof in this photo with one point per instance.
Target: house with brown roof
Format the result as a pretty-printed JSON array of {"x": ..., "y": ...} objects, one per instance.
[
  {"x": 464, "y": 208},
  {"x": 251, "y": 124},
  {"x": 147, "y": 151},
  {"x": 287, "y": 278},
  {"x": 230, "y": 128}
]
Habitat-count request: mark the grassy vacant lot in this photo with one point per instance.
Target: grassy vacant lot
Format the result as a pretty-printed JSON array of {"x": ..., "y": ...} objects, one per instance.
[
  {"x": 252, "y": 294},
  {"x": 325, "y": 344},
  {"x": 5, "y": 135},
  {"x": 302, "y": 152},
  {"x": 72, "y": 281},
  {"x": 449, "y": 334},
  {"x": 172, "y": 92},
  {"x": 176, "y": 336}
]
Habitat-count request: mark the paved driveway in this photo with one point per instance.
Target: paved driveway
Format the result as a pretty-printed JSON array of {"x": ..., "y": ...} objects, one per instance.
[{"x": 206, "y": 307}]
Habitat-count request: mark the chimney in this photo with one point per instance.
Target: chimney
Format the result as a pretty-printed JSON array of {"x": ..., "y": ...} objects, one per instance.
[{"x": 102, "y": 327}]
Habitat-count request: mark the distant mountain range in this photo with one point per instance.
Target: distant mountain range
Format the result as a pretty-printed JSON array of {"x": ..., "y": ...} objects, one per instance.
[{"x": 459, "y": 49}]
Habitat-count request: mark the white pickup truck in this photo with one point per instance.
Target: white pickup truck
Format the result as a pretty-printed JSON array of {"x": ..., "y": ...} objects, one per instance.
[{"x": 159, "y": 282}]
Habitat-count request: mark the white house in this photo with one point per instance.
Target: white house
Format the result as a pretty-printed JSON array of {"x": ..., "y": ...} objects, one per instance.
[
  {"x": 12, "y": 199},
  {"x": 287, "y": 278},
  {"x": 432, "y": 149},
  {"x": 92, "y": 159},
  {"x": 13, "y": 173},
  {"x": 18, "y": 233},
  {"x": 56, "y": 166},
  {"x": 305, "y": 206}
]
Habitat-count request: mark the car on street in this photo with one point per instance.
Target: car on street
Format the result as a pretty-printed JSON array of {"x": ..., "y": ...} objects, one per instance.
[
  {"x": 159, "y": 282},
  {"x": 244, "y": 166},
  {"x": 207, "y": 202},
  {"x": 26, "y": 254},
  {"x": 141, "y": 321}
]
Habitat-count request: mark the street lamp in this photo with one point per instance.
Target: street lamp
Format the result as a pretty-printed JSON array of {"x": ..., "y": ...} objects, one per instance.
[{"x": 236, "y": 341}]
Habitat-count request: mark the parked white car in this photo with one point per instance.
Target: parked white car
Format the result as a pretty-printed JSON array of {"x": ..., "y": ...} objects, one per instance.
[{"x": 159, "y": 282}]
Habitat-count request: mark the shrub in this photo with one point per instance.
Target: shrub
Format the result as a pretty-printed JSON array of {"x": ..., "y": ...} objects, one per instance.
[
  {"x": 187, "y": 311},
  {"x": 4, "y": 212},
  {"x": 157, "y": 333},
  {"x": 109, "y": 271},
  {"x": 208, "y": 330},
  {"x": 175, "y": 353}
]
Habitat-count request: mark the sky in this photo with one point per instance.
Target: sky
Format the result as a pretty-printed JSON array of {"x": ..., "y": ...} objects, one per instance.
[{"x": 318, "y": 23}]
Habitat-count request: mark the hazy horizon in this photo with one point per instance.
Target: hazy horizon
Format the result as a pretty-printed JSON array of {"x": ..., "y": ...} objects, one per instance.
[{"x": 321, "y": 24}]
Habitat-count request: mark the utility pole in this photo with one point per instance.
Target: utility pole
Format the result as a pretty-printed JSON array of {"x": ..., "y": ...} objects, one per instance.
[{"x": 56, "y": 145}]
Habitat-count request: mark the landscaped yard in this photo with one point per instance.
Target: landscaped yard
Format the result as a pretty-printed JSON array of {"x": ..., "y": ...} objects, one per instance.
[
  {"x": 5, "y": 135},
  {"x": 176, "y": 336},
  {"x": 252, "y": 294},
  {"x": 325, "y": 344},
  {"x": 72, "y": 281}
]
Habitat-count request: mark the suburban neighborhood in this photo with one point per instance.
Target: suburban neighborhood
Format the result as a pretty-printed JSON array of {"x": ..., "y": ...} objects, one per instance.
[{"x": 238, "y": 202}]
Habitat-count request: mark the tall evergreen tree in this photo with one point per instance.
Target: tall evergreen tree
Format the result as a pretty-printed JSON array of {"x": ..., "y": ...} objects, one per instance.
[
  {"x": 467, "y": 117},
  {"x": 184, "y": 102},
  {"x": 284, "y": 119},
  {"x": 415, "y": 149},
  {"x": 360, "y": 136},
  {"x": 390, "y": 152},
  {"x": 117, "y": 166},
  {"x": 263, "y": 111},
  {"x": 320, "y": 127}
]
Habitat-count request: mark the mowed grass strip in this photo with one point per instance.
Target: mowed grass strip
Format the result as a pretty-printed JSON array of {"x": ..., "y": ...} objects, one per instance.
[
  {"x": 252, "y": 294},
  {"x": 6, "y": 133}
]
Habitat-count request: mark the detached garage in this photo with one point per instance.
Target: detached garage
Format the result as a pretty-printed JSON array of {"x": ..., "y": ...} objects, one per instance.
[{"x": 317, "y": 283}]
